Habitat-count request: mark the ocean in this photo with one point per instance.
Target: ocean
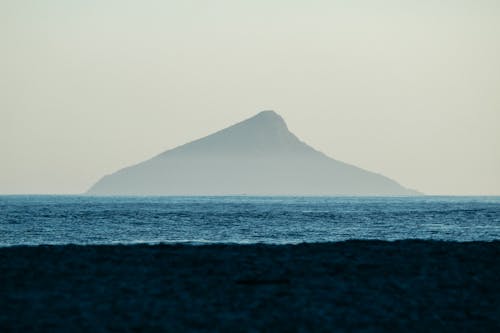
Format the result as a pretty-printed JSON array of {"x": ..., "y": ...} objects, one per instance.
[{"x": 44, "y": 219}]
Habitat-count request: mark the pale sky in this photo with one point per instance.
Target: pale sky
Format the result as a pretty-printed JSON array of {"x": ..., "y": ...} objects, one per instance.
[{"x": 409, "y": 89}]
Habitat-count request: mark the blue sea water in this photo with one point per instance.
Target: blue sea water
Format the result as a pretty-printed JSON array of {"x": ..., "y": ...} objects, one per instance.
[{"x": 35, "y": 220}]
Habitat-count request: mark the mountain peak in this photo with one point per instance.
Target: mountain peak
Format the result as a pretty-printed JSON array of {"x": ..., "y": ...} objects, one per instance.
[
  {"x": 269, "y": 115},
  {"x": 269, "y": 119},
  {"x": 264, "y": 133}
]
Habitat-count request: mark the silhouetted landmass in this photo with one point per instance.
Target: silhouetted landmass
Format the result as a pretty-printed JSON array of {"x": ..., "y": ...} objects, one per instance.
[
  {"x": 348, "y": 286},
  {"x": 258, "y": 156}
]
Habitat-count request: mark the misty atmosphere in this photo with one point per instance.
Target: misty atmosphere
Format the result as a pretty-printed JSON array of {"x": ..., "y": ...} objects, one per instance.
[
  {"x": 408, "y": 89},
  {"x": 258, "y": 156}
]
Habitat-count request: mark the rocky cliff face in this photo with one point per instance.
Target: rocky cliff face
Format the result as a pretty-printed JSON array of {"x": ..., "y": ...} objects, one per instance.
[{"x": 258, "y": 156}]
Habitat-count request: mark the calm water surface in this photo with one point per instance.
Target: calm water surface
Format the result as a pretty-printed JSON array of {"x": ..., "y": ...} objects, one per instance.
[{"x": 279, "y": 220}]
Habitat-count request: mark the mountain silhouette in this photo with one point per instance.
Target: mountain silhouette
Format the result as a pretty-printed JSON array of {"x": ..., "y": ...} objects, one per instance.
[{"x": 258, "y": 156}]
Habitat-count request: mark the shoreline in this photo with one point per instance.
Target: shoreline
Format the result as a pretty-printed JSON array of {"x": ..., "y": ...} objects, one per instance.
[
  {"x": 235, "y": 244},
  {"x": 349, "y": 285}
]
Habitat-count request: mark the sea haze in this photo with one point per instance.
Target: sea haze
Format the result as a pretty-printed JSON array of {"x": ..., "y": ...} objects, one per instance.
[
  {"x": 257, "y": 156},
  {"x": 35, "y": 220}
]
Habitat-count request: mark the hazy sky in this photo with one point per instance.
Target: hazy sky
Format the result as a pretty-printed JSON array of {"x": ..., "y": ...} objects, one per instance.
[{"x": 409, "y": 89}]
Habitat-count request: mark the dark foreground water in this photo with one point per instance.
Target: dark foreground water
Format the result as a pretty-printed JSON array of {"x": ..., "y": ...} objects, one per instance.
[
  {"x": 37, "y": 220},
  {"x": 354, "y": 286}
]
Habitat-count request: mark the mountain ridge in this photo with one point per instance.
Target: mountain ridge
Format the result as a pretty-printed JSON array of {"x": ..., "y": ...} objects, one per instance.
[{"x": 270, "y": 126}]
